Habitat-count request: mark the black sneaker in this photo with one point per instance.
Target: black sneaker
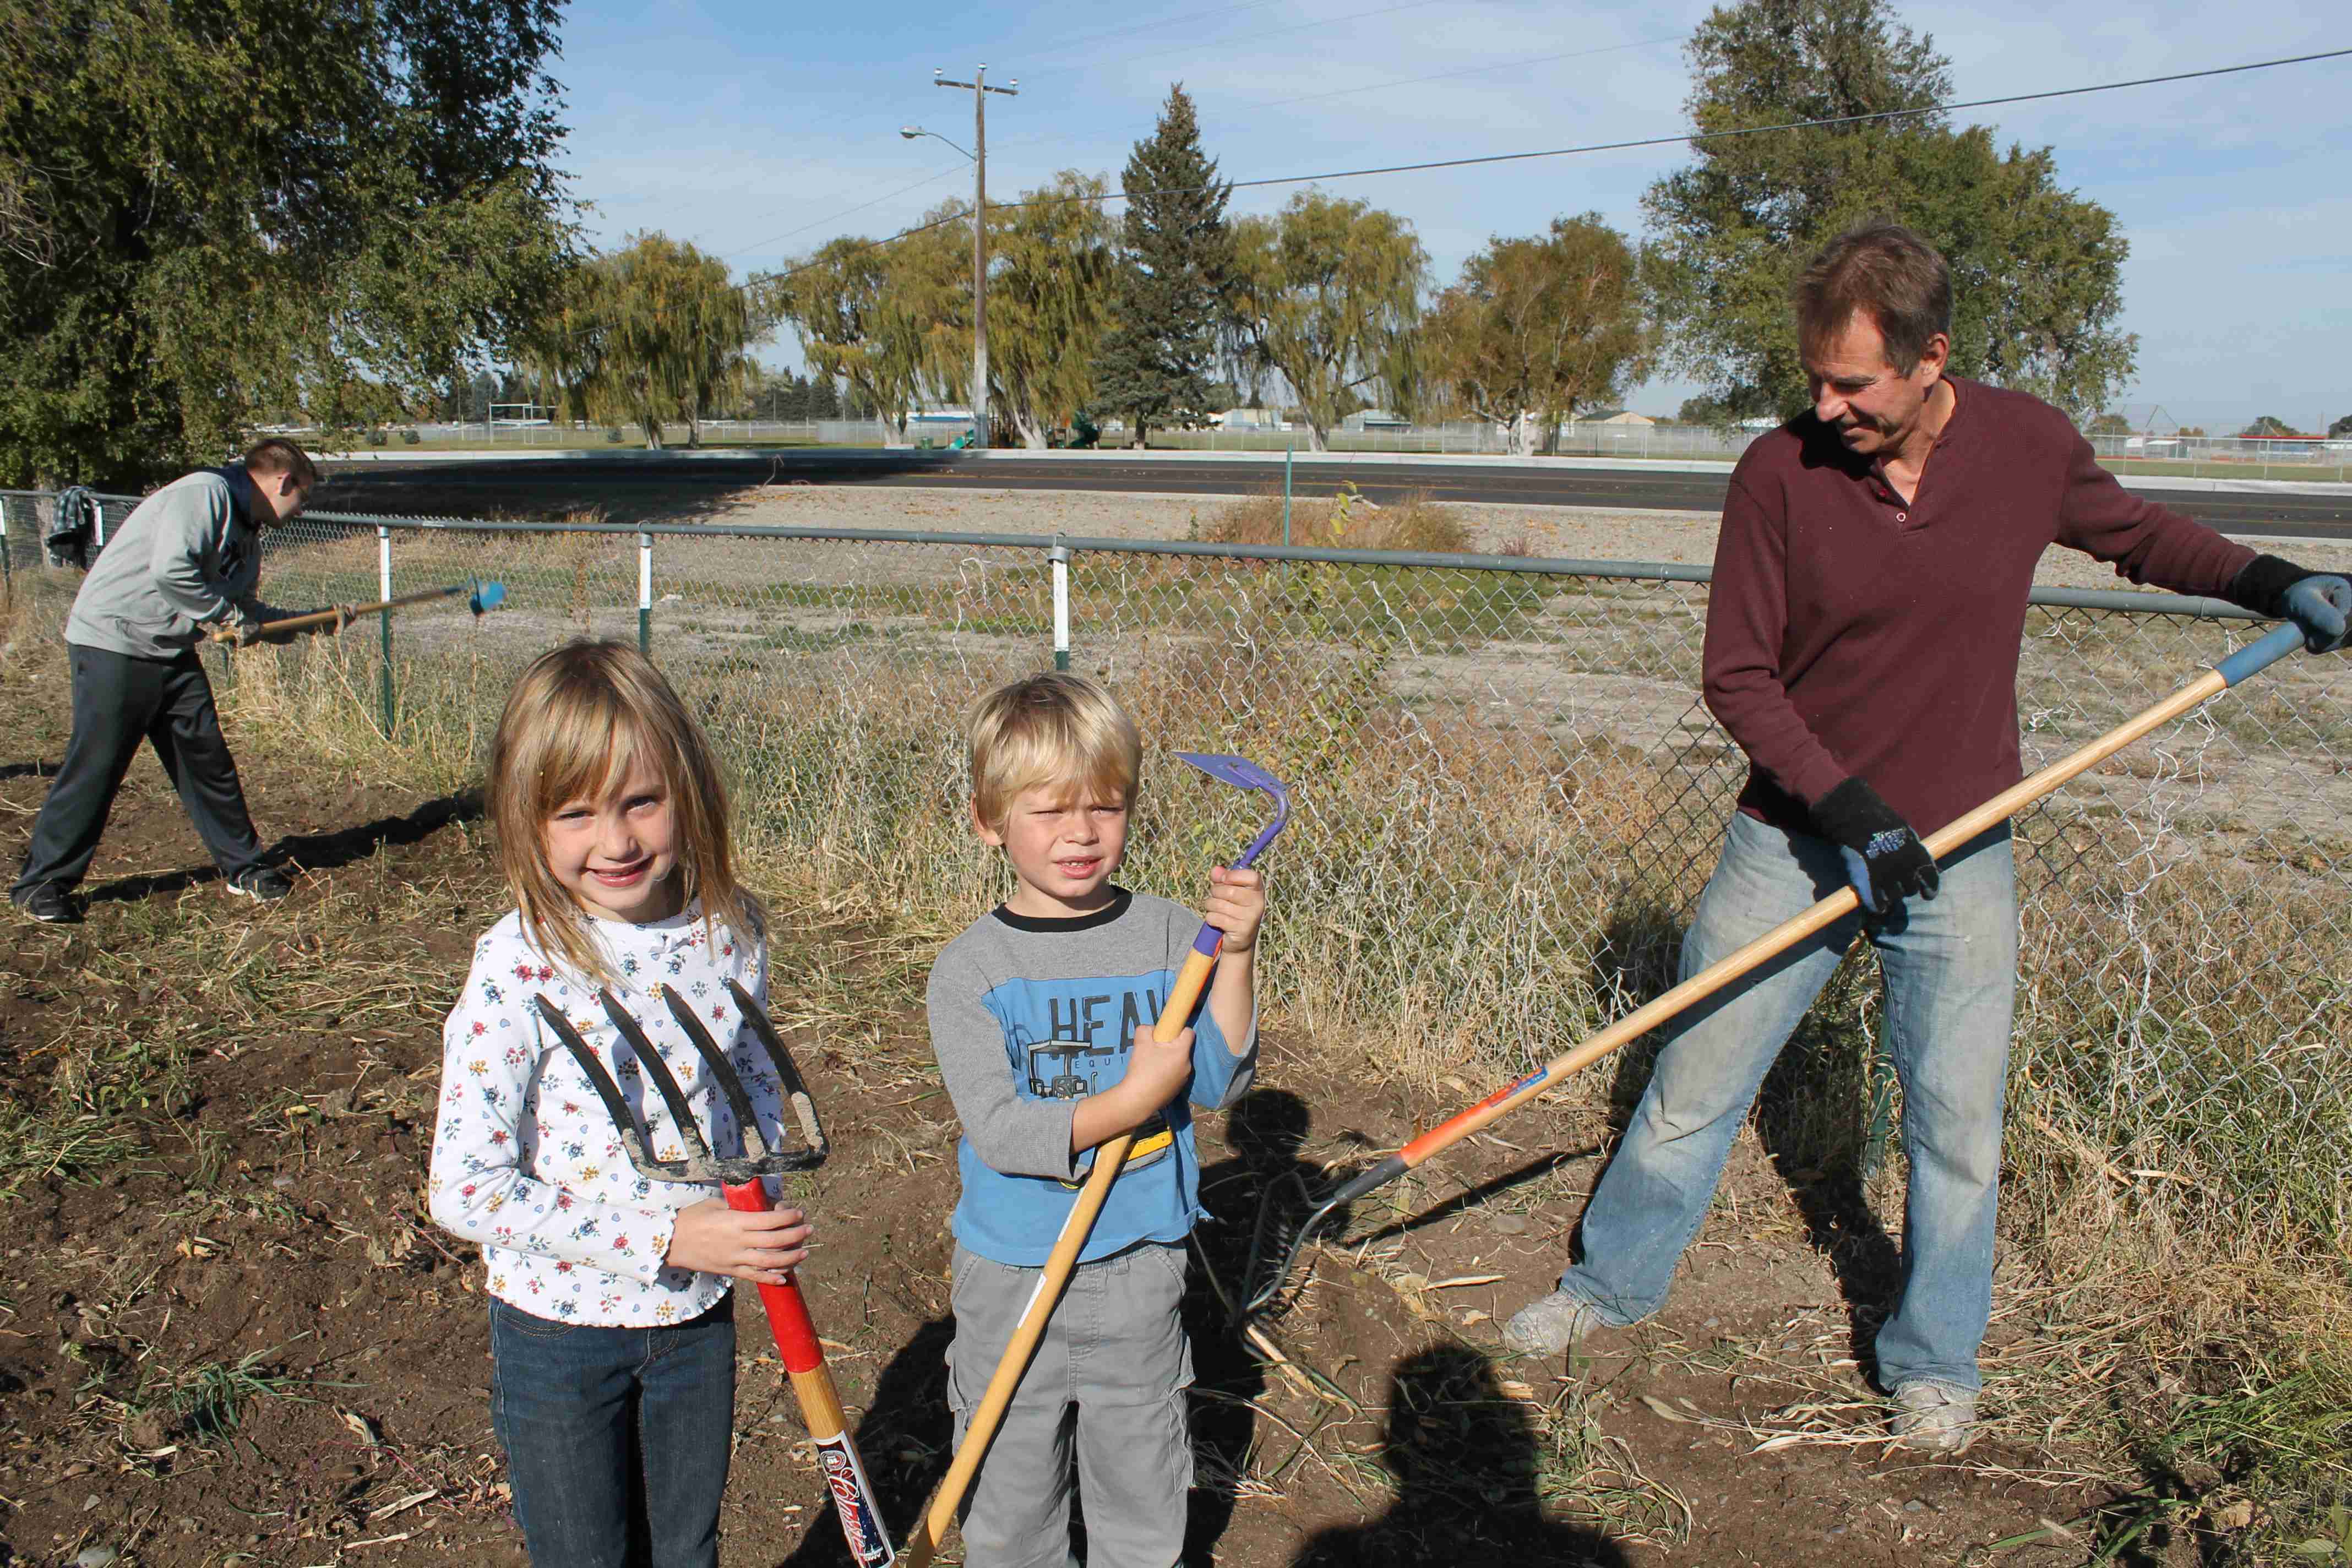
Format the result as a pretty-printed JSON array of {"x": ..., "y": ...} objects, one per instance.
[
  {"x": 48, "y": 903},
  {"x": 265, "y": 885}
]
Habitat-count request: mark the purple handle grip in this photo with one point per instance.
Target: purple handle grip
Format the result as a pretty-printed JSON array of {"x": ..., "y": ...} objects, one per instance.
[{"x": 1206, "y": 944}]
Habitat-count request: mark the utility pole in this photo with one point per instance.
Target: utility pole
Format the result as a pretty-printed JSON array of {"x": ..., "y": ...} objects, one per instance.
[{"x": 980, "y": 91}]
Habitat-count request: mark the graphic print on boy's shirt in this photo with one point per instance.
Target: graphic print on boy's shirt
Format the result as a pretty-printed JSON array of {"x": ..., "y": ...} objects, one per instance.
[{"x": 1067, "y": 1039}]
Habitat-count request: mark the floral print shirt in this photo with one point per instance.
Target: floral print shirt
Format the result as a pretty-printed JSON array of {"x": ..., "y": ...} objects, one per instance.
[{"x": 527, "y": 1162}]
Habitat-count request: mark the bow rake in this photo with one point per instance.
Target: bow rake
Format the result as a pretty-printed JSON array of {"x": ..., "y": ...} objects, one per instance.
[
  {"x": 2229, "y": 672},
  {"x": 739, "y": 1179}
]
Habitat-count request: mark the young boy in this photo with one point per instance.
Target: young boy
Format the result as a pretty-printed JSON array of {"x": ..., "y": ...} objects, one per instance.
[{"x": 1042, "y": 1016}]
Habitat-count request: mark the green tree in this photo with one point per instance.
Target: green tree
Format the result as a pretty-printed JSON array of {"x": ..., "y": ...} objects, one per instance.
[
  {"x": 2036, "y": 271},
  {"x": 2270, "y": 425},
  {"x": 884, "y": 318},
  {"x": 2341, "y": 428},
  {"x": 1712, "y": 412},
  {"x": 1328, "y": 293},
  {"x": 653, "y": 332},
  {"x": 1538, "y": 328},
  {"x": 1175, "y": 266},
  {"x": 2108, "y": 425},
  {"x": 212, "y": 212},
  {"x": 1049, "y": 303}
]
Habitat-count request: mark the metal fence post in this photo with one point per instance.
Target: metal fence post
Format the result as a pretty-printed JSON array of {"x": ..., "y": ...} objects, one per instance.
[
  {"x": 1060, "y": 556},
  {"x": 645, "y": 593},
  {"x": 1288, "y": 453},
  {"x": 383, "y": 619}
]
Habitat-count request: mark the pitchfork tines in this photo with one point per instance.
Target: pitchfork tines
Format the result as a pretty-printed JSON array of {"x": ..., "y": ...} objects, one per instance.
[{"x": 700, "y": 1164}]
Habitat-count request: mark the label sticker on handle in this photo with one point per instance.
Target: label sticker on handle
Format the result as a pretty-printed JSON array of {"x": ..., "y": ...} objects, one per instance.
[{"x": 852, "y": 1499}]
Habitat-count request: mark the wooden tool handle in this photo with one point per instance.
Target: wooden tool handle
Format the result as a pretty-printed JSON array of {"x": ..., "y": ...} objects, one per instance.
[
  {"x": 854, "y": 1501},
  {"x": 1110, "y": 1156},
  {"x": 1836, "y": 907}
]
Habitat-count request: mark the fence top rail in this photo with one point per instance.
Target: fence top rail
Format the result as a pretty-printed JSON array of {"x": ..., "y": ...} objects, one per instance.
[{"x": 2136, "y": 603}]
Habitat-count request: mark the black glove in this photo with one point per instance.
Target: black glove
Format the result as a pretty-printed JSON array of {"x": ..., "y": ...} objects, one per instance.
[
  {"x": 1883, "y": 858},
  {"x": 2319, "y": 603}
]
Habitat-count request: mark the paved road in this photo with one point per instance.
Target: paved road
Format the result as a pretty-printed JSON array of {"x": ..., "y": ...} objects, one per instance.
[{"x": 371, "y": 486}]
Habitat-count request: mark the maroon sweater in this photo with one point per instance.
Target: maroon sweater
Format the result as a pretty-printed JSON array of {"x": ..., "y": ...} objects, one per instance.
[{"x": 1851, "y": 633}]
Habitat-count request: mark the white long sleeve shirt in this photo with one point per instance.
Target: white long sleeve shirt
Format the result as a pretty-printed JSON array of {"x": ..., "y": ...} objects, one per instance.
[{"x": 525, "y": 1160}]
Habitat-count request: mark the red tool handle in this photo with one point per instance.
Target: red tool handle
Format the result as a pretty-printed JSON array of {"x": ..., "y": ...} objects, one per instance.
[
  {"x": 788, "y": 1313},
  {"x": 812, "y": 1380}
]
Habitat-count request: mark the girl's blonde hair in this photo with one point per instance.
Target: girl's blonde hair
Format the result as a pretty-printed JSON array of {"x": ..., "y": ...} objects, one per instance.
[
  {"x": 580, "y": 719},
  {"x": 1052, "y": 729}
]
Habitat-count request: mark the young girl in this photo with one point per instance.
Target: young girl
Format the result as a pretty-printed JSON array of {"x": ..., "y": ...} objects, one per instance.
[{"x": 612, "y": 1325}]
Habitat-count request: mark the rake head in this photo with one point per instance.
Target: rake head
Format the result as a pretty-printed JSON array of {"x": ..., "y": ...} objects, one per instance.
[
  {"x": 700, "y": 1165},
  {"x": 1243, "y": 773},
  {"x": 1277, "y": 1242}
]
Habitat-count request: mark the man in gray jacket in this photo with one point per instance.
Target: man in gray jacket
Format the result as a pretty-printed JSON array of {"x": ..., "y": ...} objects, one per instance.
[{"x": 187, "y": 557}]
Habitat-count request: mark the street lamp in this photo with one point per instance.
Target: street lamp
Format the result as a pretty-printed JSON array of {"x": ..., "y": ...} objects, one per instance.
[
  {"x": 911, "y": 132},
  {"x": 979, "y": 156}
]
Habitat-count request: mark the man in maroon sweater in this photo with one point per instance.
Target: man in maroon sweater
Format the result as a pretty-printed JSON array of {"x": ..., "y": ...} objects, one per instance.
[{"x": 1862, "y": 644}]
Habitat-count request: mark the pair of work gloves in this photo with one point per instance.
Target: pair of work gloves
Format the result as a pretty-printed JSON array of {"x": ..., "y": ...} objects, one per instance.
[{"x": 1886, "y": 861}]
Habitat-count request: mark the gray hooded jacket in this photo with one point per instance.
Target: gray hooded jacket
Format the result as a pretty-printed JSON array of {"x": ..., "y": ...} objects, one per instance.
[{"x": 187, "y": 555}]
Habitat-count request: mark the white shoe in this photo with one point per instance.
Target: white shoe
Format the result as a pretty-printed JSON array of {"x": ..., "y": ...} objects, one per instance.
[
  {"x": 1934, "y": 1416},
  {"x": 1550, "y": 1324}
]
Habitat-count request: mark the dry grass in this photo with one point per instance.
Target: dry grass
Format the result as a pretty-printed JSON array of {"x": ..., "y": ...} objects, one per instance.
[
  {"x": 2177, "y": 1207},
  {"x": 1345, "y": 521}
]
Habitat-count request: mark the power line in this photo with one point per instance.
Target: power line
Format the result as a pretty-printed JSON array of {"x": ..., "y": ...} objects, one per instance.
[
  {"x": 1467, "y": 70},
  {"x": 1692, "y": 138},
  {"x": 930, "y": 179},
  {"x": 1195, "y": 48},
  {"x": 1066, "y": 45}
]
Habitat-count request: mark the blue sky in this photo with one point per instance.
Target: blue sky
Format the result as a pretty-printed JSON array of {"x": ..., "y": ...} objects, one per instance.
[{"x": 761, "y": 131}]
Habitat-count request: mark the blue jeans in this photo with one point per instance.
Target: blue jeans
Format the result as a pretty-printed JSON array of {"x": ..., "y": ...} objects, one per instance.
[
  {"x": 1951, "y": 980},
  {"x": 616, "y": 1439}
]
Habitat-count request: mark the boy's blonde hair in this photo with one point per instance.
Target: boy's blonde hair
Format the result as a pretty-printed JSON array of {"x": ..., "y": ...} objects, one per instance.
[
  {"x": 1055, "y": 729},
  {"x": 581, "y": 716}
]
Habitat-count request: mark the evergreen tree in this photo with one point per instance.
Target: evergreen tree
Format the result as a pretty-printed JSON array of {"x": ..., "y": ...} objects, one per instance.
[{"x": 1174, "y": 269}]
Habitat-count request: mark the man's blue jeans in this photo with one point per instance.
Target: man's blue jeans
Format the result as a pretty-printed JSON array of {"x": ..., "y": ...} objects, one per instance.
[
  {"x": 1951, "y": 979},
  {"x": 616, "y": 1439}
]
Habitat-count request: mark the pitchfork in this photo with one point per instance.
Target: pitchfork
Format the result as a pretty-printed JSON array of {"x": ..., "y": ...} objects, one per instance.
[{"x": 738, "y": 1179}]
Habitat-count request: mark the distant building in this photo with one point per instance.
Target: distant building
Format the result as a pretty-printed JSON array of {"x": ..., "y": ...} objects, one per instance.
[
  {"x": 1619, "y": 417},
  {"x": 1249, "y": 419},
  {"x": 1375, "y": 419}
]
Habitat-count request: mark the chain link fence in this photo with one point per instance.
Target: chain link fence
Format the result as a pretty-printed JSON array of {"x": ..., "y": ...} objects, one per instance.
[{"x": 1508, "y": 791}]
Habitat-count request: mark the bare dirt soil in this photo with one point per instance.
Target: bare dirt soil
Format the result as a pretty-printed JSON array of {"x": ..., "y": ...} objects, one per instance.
[{"x": 228, "y": 1334}]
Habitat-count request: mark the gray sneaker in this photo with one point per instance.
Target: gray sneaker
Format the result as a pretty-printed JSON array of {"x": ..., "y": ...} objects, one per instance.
[
  {"x": 1934, "y": 1416},
  {"x": 1550, "y": 1324}
]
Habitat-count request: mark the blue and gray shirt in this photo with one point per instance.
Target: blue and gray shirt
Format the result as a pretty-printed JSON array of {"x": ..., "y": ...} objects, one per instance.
[{"x": 1029, "y": 1016}]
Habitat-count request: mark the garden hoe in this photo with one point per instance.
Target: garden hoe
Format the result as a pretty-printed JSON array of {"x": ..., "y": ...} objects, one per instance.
[
  {"x": 739, "y": 1181},
  {"x": 2246, "y": 661},
  {"x": 1109, "y": 1157},
  {"x": 479, "y": 596}
]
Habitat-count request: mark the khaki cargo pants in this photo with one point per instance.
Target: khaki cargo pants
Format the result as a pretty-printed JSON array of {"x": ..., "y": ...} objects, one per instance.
[{"x": 1106, "y": 1390}]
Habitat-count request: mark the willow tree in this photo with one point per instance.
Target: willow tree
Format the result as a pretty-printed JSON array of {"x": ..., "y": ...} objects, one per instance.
[
  {"x": 884, "y": 316},
  {"x": 1050, "y": 282},
  {"x": 1328, "y": 294},
  {"x": 654, "y": 331},
  {"x": 215, "y": 214},
  {"x": 1538, "y": 326}
]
